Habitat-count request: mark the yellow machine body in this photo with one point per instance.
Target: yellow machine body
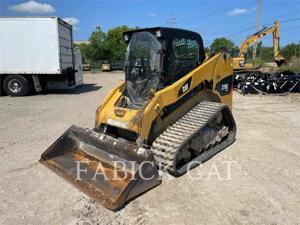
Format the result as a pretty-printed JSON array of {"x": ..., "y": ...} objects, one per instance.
[
  {"x": 140, "y": 121},
  {"x": 196, "y": 102}
]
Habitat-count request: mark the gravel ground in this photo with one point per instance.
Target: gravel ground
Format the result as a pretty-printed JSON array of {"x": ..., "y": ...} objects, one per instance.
[{"x": 261, "y": 187}]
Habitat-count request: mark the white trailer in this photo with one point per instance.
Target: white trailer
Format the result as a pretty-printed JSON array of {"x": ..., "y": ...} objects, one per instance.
[{"x": 35, "y": 52}]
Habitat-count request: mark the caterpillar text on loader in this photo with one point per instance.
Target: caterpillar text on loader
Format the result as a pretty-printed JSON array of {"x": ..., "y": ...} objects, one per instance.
[{"x": 173, "y": 112}]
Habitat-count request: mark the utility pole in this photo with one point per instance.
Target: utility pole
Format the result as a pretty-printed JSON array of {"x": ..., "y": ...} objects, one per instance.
[
  {"x": 298, "y": 48},
  {"x": 257, "y": 27},
  {"x": 171, "y": 21}
]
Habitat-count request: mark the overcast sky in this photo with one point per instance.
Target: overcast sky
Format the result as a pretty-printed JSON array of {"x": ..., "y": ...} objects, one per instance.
[{"x": 234, "y": 19}]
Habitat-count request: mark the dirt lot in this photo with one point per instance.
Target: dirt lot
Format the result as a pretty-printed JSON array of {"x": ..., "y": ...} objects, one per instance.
[{"x": 261, "y": 188}]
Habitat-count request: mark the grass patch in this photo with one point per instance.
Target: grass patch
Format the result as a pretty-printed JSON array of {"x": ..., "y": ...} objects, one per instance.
[{"x": 293, "y": 65}]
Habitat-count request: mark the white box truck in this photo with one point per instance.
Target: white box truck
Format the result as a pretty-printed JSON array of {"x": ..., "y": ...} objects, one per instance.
[{"x": 35, "y": 52}]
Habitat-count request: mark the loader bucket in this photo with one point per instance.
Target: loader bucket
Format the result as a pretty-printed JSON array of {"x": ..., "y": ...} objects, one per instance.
[{"x": 106, "y": 169}]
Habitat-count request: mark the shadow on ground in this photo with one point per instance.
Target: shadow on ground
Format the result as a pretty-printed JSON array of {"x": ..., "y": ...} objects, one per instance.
[{"x": 82, "y": 89}]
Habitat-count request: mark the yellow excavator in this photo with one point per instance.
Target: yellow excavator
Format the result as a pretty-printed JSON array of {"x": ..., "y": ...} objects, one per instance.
[
  {"x": 239, "y": 61},
  {"x": 172, "y": 112}
]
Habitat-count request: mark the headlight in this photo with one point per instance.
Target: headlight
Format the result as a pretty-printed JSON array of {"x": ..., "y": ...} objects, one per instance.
[
  {"x": 158, "y": 33},
  {"x": 126, "y": 37}
]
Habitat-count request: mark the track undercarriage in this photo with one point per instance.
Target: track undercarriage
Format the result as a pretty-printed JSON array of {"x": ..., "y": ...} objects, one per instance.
[{"x": 203, "y": 132}]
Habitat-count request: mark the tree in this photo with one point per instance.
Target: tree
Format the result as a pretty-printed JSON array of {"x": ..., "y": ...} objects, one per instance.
[
  {"x": 267, "y": 54},
  {"x": 101, "y": 46},
  {"x": 290, "y": 50},
  {"x": 98, "y": 50},
  {"x": 115, "y": 42},
  {"x": 84, "y": 49},
  {"x": 219, "y": 43},
  {"x": 264, "y": 54},
  {"x": 206, "y": 50}
]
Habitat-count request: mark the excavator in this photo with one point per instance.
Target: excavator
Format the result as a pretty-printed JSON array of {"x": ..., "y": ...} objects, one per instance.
[
  {"x": 172, "y": 113},
  {"x": 239, "y": 61}
]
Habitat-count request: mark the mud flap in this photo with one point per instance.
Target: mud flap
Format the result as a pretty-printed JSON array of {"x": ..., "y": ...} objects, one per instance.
[
  {"x": 36, "y": 83},
  {"x": 107, "y": 169}
]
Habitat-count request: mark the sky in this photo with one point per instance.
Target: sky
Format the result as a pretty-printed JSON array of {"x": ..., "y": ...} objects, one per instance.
[{"x": 233, "y": 19}]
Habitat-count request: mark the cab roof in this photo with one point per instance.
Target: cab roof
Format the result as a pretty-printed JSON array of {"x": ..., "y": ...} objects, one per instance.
[
  {"x": 163, "y": 29},
  {"x": 167, "y": 32}
]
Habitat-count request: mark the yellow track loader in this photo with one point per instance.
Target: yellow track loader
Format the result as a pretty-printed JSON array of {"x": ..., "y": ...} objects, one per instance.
[{"x": 172, "y": 113}]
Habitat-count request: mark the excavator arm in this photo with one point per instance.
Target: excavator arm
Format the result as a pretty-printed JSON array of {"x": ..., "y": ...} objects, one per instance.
[
  {"x": 279, "y": 59},
  {"x": 260, "y": 34}
]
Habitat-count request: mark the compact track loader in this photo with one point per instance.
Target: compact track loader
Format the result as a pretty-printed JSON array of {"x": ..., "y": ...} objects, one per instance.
[{"x": 172, "y": 112}]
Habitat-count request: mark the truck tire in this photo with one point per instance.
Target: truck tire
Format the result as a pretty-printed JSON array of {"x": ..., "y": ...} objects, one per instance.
[{"x": 16, "y": 85}]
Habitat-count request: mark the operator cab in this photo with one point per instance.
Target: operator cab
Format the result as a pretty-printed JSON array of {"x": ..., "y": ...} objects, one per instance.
[{"x": 158, "y": 57}]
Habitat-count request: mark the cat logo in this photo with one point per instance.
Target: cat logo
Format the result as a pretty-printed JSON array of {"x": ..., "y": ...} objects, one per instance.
[
  {"x": 185, "y": 87},
  {"x": 224, "y": 87}
]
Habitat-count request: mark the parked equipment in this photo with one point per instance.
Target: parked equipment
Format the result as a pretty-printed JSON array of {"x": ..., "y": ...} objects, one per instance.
[
  {"x": 173, "y": 112},
  {"x": 239, "y": 62},
  {"x": 36, "y": 51},
  {"x": 117, "y": 66},
  {"x": 86, "y": 67},
  {"x": 105, "y": 66}
]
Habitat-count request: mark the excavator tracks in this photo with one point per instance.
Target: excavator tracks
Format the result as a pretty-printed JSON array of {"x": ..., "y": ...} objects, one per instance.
[{"x": 177, "y": 139}]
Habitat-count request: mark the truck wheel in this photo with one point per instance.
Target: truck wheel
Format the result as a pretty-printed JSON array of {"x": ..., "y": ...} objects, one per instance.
[{"x": 16, "y": 85}]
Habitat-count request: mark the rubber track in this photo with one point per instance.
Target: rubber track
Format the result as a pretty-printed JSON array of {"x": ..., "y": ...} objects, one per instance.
[{"x": 175, "y": 137}]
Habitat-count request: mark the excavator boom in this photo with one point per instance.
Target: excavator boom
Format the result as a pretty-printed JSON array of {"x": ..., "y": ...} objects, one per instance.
[{"x": 274, "y": 30}]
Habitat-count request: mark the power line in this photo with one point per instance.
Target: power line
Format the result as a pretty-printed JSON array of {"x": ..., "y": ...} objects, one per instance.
[
  {"x": 214, "y": 11},
  {"x": 240, "y": 32},
  {"x": 217, "y": 22},
  {"x": 221, "y": 13},
  {"x": 264, "y": 25},
  {"x": 184, "y": 13},
  {"x": 267, "y": 24},
  {"x": 284, "y": 21},
  {"x": 292, "y": 28},
  {"x": 278, "y": 5}
]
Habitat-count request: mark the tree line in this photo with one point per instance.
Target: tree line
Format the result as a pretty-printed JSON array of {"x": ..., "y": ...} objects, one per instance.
[
  {"x": 111, "y": 47},
  {"x": 103, "y": 46},
  {"x": 263, "y": 53}
]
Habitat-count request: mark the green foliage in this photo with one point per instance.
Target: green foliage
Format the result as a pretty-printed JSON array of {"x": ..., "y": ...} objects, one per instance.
[
  {"x": 109, "y": 47},
  {"x": 265, "y": 54},
  {"x": 293, "y": 65},
  {"x": 219, "y": 43},
  {"x": 291, "y": 50},
  {"x": 98, "y": 49},
  {"x": 84, "y": 48},
  {"x": 115, "y": 42},
  {"x": 206, "y": 50}
]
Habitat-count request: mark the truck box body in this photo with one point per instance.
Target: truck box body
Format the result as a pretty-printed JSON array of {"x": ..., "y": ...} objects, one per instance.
[{"x": 35, "y": 46}]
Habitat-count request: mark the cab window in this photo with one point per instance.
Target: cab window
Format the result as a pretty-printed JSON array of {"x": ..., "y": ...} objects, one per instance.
[{"x": 184, "y": 57}]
